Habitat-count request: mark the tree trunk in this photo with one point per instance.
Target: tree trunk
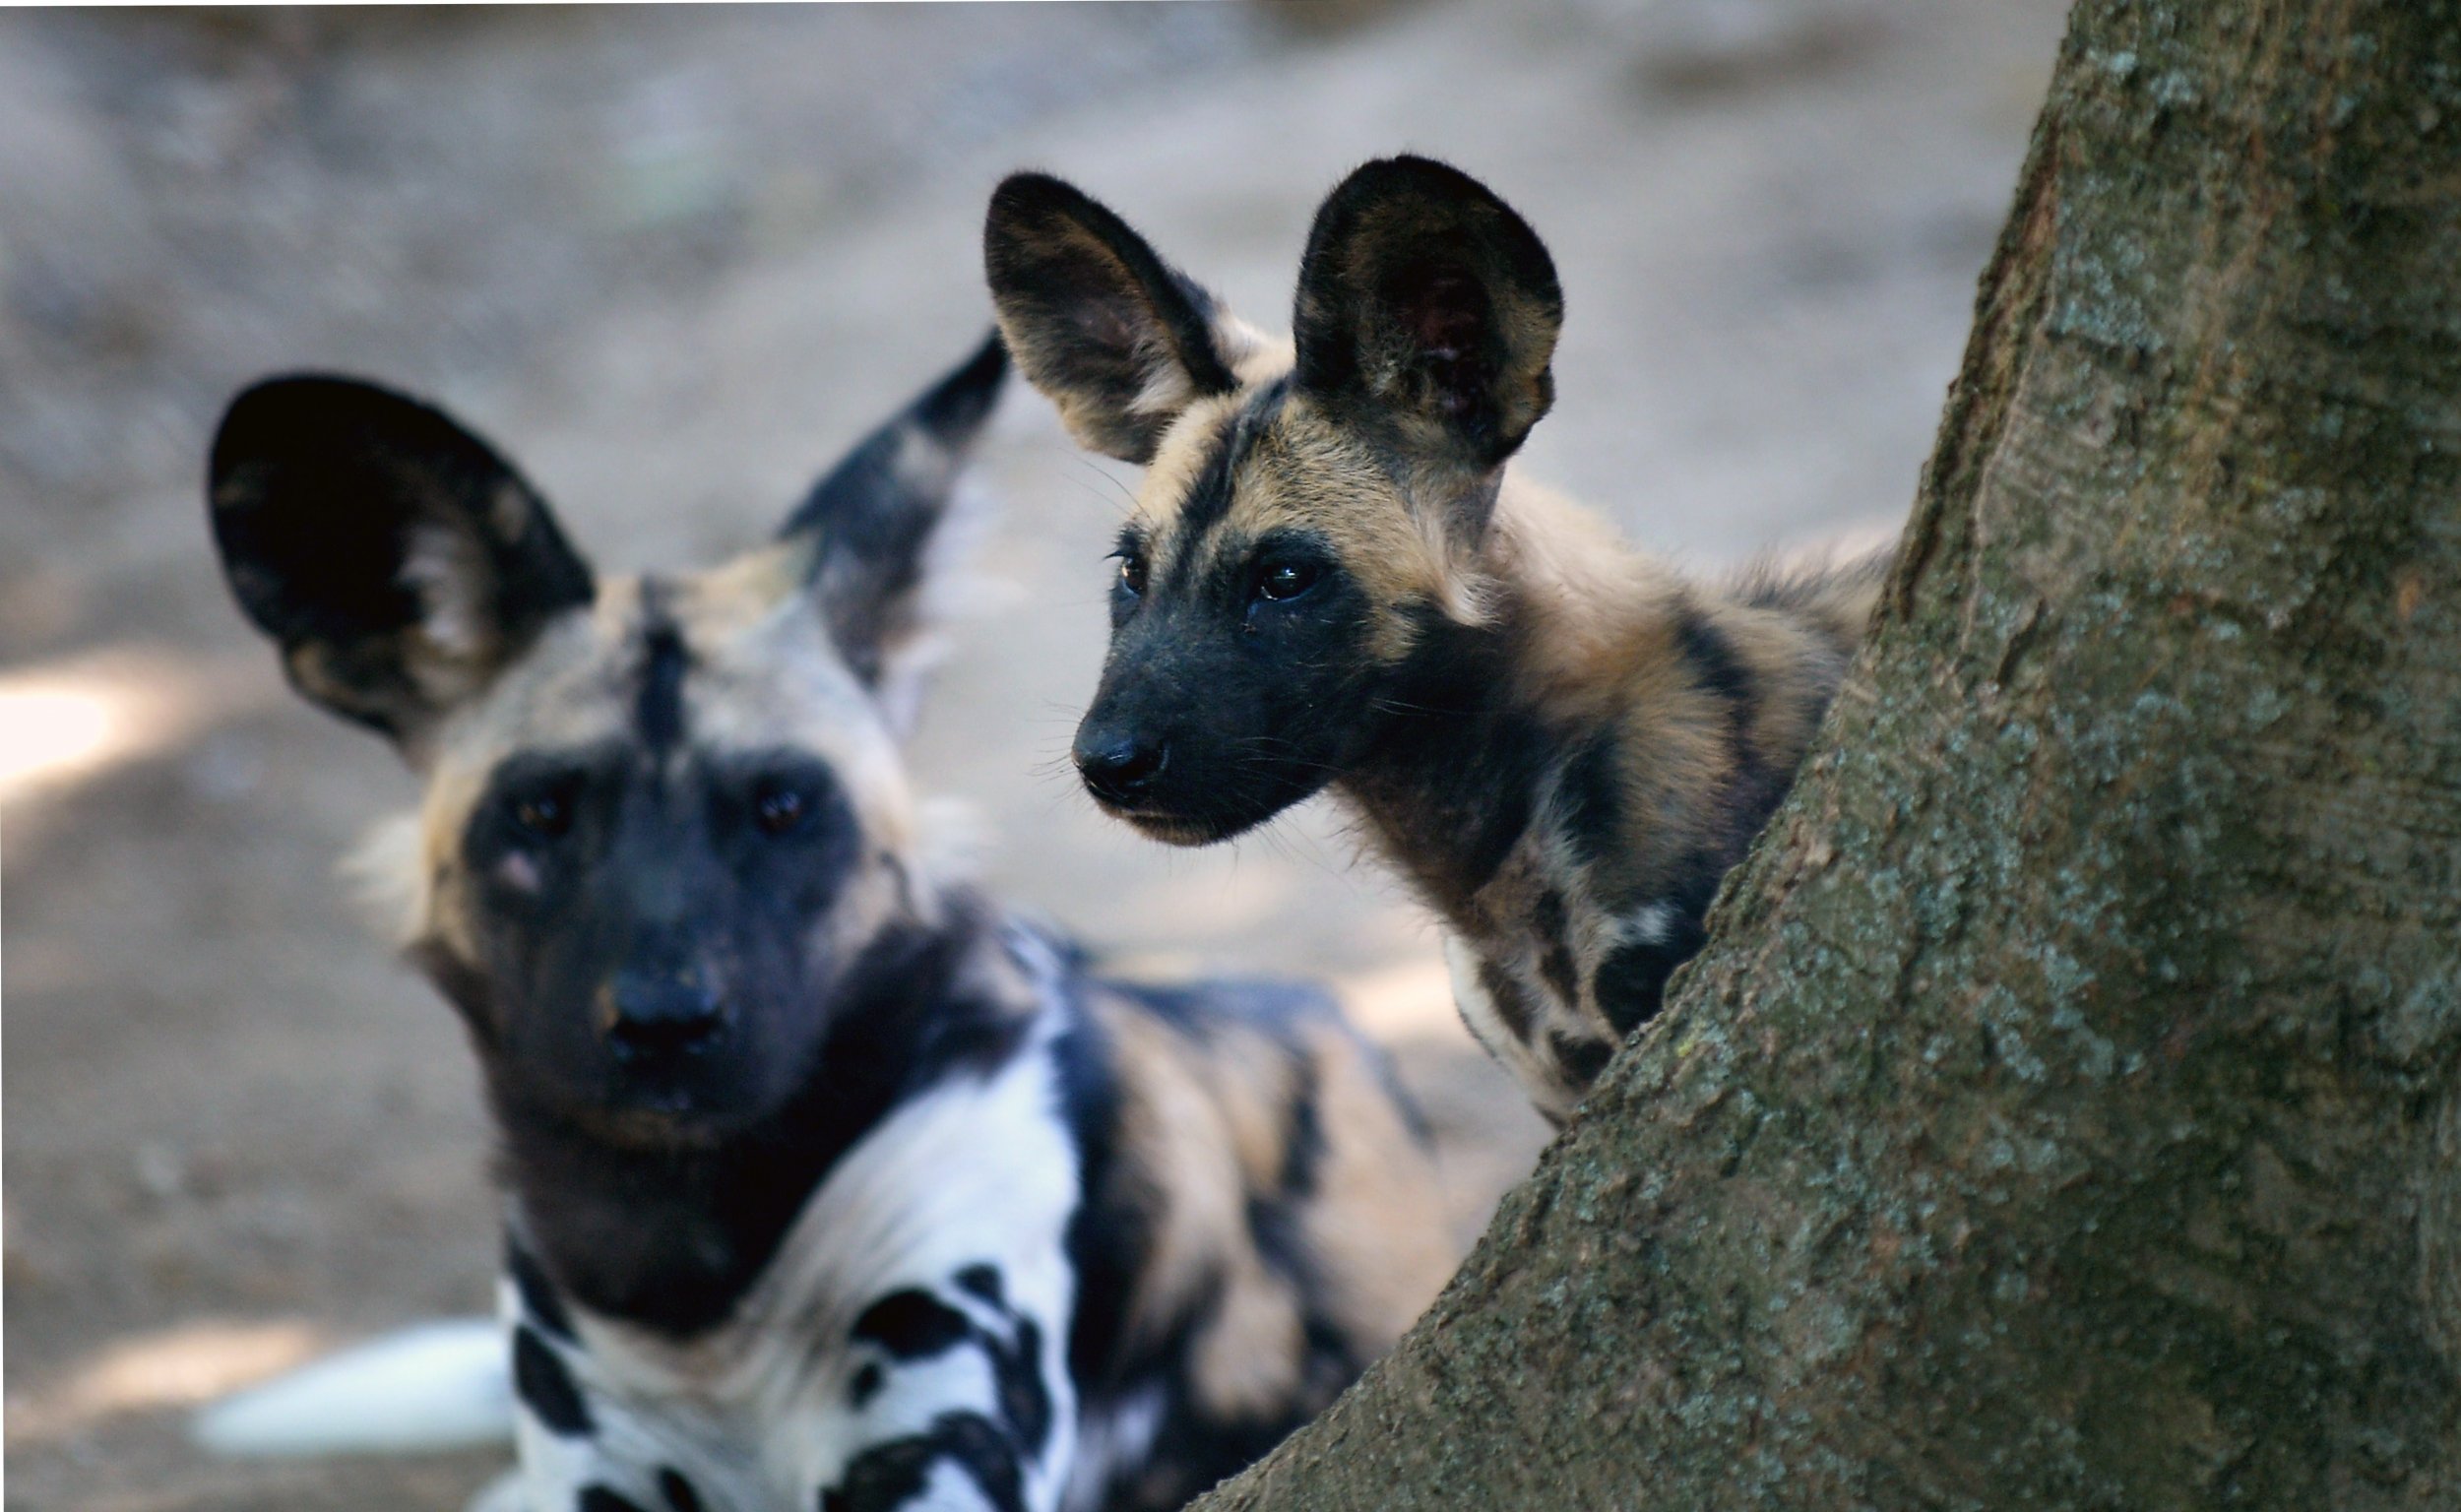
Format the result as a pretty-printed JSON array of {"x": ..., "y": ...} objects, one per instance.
[{"x": 2065, "y": 1111}]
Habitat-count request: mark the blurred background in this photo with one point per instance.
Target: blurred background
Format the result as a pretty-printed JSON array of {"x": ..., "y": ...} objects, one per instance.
[{"x": 672, "y": 261}]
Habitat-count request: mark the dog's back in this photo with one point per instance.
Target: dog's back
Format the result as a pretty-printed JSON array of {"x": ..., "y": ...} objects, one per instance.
[{"x": 1263, "y": 1216}]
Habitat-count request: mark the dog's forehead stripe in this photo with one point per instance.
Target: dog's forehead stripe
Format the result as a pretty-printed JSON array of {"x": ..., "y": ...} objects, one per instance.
[
  {"x": 657, "y": 708},
  {"x": 1209, "y": 497}
]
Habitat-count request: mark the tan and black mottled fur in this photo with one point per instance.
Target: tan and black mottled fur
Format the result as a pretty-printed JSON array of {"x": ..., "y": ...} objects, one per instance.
[
  {"x": 1330, "y": 579},
  {"x": 831, "y": 1188}
]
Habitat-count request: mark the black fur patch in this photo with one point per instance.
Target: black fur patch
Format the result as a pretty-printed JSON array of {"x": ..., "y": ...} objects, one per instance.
[
  {"x": 1588, "y": 795},
  {"x": 1475, "y": 780},
  {"x": 540, "y": 1304},
  {"x": 1208, "y": 500},
  {"x": 984, "y": 1281},
  {"x": 1016, "y": 1364},
  {"x": 911, "y": 1324},
  {"x": 887, "y": 1476},
  {"x": 1025, "y": 1397},
  {"x": 1581, "y": 1058},
  {"x": 1511, "y": 1003},
  {"x": 1252, "y": 1003},
  {"x": 1506, "y": 769},
  {"x": 1272, "y": 1224},
  {"x": 1303, "y": 1133},
  {"x": 865, "y": 1386},
  {"x": 1717, "y": 670},
  {"x": 1452, "y": 762},
  {"x": 597, "y": 1498},
  {"x": 1275, "y": 1223},
  {"x": 678, "y": 1492},
  {"x": 1110, "y": 1236},
  {"x": 546, "y": 1388},
  {"x": 1556, "y": 956},
  {"x": 1631, "y": 982},
  {"x": 657, "y": 708},
  {"x": 1713, "y": 662}
]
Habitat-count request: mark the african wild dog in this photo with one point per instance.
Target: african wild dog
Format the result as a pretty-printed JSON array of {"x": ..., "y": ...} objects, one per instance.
[
  {"x": 1329, "y": 579},
  {"x": 830, "y": 1187}
]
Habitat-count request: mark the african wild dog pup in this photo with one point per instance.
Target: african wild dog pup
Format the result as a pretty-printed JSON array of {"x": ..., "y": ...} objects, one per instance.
[
  {"x": 1328, "y": 578},
  {"x": 830, "y": 1187}
]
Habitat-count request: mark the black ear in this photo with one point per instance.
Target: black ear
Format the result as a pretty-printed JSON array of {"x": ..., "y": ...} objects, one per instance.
[
  {"x": 399, "y": 561},
  {"x": 1426, "y": 305},
  {"x": 1118, "y": 339},
  {"x": 872, "y": 519}
]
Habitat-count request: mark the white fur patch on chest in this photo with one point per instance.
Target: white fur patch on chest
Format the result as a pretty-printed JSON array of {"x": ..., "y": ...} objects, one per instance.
[{"x": 977, "y": 1172}]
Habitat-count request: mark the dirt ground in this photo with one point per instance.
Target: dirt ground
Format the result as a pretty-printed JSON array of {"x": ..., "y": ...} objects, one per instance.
[{"x": 672, "y": 261}]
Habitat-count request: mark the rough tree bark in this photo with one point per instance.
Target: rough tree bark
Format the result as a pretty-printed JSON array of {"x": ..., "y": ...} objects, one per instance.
[{"x": 2065, "y": 1111}]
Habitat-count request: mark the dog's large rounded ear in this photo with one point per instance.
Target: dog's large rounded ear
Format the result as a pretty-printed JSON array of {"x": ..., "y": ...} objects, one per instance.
[
  {"x": 1116, "y": 337},
  {"x": 396, "y": 558},
  {"x": 873, "y": 524},
  {"x": 1427, "y": 306}
]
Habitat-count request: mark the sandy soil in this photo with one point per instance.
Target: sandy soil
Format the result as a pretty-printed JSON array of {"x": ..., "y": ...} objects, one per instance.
[{"x": 672, "y": 261}]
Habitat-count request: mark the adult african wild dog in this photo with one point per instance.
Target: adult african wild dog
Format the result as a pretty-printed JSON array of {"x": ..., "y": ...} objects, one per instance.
[
  {"x": 830, "y": 1187},
  {"x": 1328, "y": 578}
]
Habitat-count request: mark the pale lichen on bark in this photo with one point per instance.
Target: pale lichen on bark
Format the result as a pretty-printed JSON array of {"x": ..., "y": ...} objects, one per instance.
[{"x": 2063, "y": 1113}]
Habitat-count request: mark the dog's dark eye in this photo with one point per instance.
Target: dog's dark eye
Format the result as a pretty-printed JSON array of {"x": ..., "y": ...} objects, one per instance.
[
  {"x": 1132, "y": 572},
  {"x": 778, "y": 806},
  {"x": 1278, "y": 581},
  {"x": 545, "y": 814}
]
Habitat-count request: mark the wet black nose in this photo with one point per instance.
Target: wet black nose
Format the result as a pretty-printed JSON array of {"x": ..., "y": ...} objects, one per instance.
[
  {"x": 1118, "y": 767},
  {"x": 652, "y": 1015}
]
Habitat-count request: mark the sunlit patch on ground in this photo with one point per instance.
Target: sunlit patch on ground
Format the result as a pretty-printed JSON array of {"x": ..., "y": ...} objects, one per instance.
[
  {"x": 1406, "y": 1000},
  {"x": 69, "y": 721},
  {"x": 49, "y": 730},
  {"x": 177, "y": 1367}
]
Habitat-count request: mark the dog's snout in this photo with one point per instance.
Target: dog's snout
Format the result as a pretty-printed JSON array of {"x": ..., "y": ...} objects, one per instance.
[
  {"x": 647, "y": 1015},
  {"x": 1117, "y": 766}
]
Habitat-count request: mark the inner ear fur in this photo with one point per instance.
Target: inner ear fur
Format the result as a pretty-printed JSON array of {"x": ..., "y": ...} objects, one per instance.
[
  {"x": 1121, "y": 341},
  {"x": 1427, "y": 306},
  {"x": 396, "y": 558}
]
